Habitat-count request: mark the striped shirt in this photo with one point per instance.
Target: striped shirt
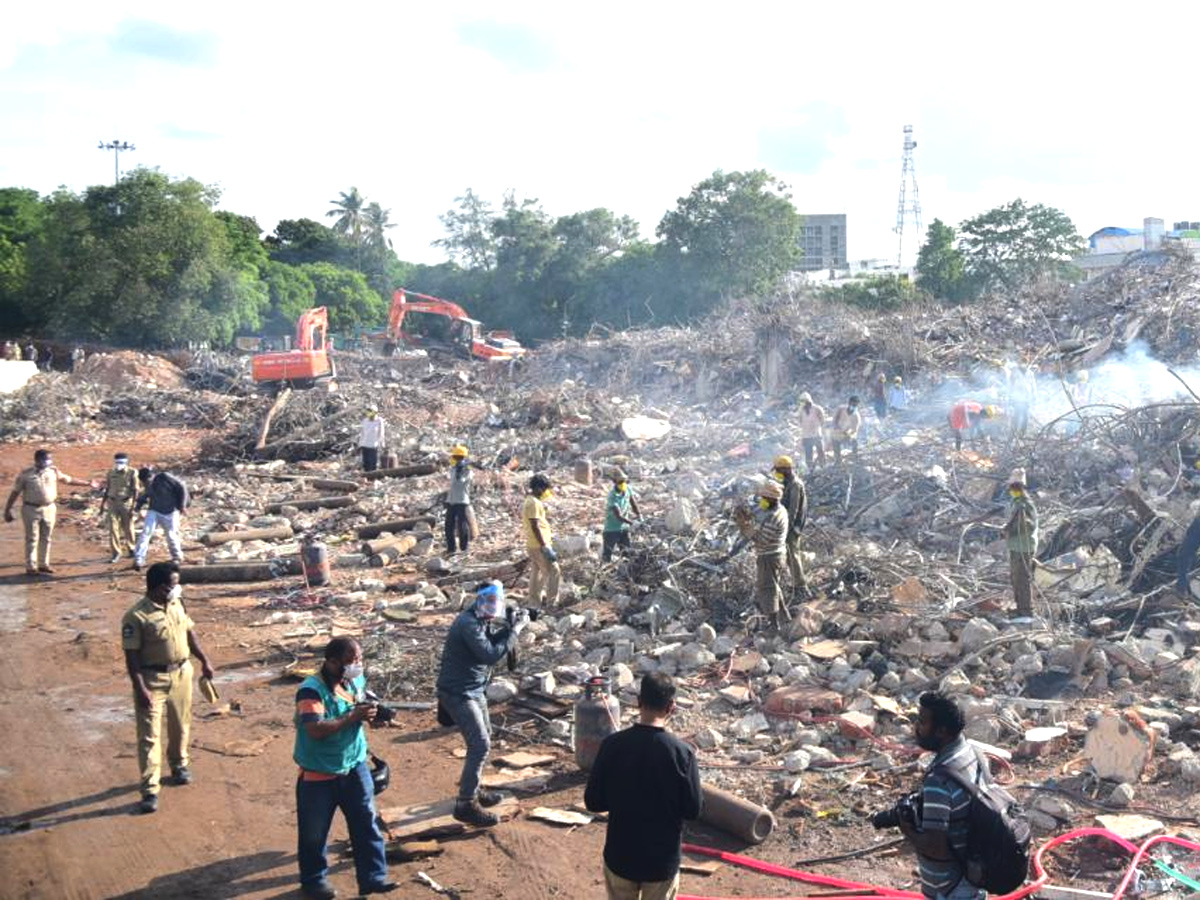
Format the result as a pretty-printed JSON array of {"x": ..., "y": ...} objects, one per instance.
[
  {"x": 945, "y": 807},
  {"x": 771, "y": 534}
]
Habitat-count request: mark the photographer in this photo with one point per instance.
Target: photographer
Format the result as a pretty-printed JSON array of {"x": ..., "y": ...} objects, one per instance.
[
  {"x": 331, "y": 750},
  {"x": 472, "y": 648},
  {"x": 935, "y": 819}
]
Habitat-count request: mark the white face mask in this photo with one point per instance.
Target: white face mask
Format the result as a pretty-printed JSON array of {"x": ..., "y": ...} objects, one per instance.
[
  {"x": 175, "y": 593},
  {"x": 352, "y": 671},
  {"x": 122, "y": 464}
]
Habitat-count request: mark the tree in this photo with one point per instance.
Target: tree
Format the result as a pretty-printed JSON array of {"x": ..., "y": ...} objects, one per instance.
[
  {"x": 940, "y": 267},
  {"x": 21, "y": 221},
  {"x": 245, "y": 246},
  {"x": 350, "y": 299},
  {"x": 349, "y": 211},
  {"x": 469, "y": 232},
  {"x": 882, "y": 292},
  {"x": 291, "y": 292},
  {"x": 375, "y": 225},
  {"x": 735, "y": 233},
  {"x": 1013, "y": 244},
  {"x": 300, "y": 241}
]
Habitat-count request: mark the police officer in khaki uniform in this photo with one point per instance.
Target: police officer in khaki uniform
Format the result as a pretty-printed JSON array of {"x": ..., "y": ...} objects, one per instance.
[
  {"x": 158, "y": 640},
  {"x": 120, "y": 492},
  {"x": 38, "y": 490}
]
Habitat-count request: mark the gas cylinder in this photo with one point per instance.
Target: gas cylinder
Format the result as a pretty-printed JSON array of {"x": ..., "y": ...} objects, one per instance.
[
  {"x": 597, "y": 715},
  {"x": 315, "y": 560}
]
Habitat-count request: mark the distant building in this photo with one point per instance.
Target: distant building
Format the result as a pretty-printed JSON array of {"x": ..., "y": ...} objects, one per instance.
[
  {"x": 1111, "y": 246},
  {"x": 823, "y": 243}
]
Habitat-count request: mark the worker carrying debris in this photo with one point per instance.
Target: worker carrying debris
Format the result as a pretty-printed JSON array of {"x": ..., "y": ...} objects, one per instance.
[
  {"x": 767, "y": 531},
  {"x": 812, "y": 430},
  {"x": 116, "y": 506},
  {"x": 458, "y": 502},
  {"x": 472, "y": 647},
  {"x": 1021, "y": 536},
  {"x": 168, "y": 500},
  {"x": 159, "y": 640},
  {"x": 967, "y": 417},
  {"x": 795, "y": 504},
  {"x": 970, "y": 837},
  {"x": 648, "y": 782},
  {"x": 38, "y": 489},
  {"x": 544, "y": 571},
  {"x": 331, "y": 750},
  {"x": 619, "y": 512},
  {"x": 846, "y": 423},
  {"x": 372, "y": 438}
]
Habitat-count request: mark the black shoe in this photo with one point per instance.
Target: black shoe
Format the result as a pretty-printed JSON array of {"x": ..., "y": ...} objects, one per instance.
[
  {"x": 137, "y": 566},
  {"x": 149, "y": 803},
  {"x": 489, "y": 798},
  {"x": 320, "y": 890},
  {"x": 470, "y": 812},
  {"x": 182, "y": 775},
  {"x": 384, "y": 887}
]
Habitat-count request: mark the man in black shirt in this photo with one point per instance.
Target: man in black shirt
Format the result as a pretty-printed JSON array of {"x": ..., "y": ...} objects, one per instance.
[{"x": 648, "y": 782}]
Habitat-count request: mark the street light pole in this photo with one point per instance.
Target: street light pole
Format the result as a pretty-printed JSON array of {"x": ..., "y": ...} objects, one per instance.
[{"x": 116, "y": 147}]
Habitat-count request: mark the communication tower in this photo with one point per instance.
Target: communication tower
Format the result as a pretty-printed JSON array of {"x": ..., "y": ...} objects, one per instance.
[{"x": 907, "y": 208}]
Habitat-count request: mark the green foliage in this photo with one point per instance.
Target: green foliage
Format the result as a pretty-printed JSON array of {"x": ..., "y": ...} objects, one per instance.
[
  {"x": 735, "y": 233},
  {"x": 941, "y": 270},
  {"x": 469, "y": 239},
  {"x": 882, "y": 292},
  {"x": 291, "y": 292},
  {"x": 21, "y": 220},
  {"x": 299, "y": 241},
  {"x": 1013, "y": 244},
  {"x": 350, "y": 299}
]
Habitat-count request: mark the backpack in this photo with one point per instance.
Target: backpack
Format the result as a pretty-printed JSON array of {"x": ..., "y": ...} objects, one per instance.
[{"x": 998, "y": 835}]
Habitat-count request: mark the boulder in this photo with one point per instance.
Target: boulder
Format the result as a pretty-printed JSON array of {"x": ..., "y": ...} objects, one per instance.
[
  {"x": 682, "y": 517},
  {"x": 500, "y": 690},
  {"x": 1117, "y": 749},
  {"x": 976, "y": 633}
]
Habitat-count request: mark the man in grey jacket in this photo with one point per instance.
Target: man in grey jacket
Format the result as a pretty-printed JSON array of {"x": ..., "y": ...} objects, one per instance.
[{"x": 472, "y": 647}]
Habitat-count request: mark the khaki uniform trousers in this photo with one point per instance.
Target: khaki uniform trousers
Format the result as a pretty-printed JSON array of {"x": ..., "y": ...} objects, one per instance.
[
  {"x": 619, "y": 888},
  {"x": 39, "y": 526},
  {"x": 120, "y": 526},
  {"x": 172, "y": 690},
  {"x": 768, "y": 570},
  {"x": 543, "y": 575},
  {"x": 795, "y": 565},
  {"x": 1020, "y": 565}
]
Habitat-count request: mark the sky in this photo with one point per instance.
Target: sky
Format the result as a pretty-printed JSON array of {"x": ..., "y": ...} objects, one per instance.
[{"x": 1088, "y": 107}]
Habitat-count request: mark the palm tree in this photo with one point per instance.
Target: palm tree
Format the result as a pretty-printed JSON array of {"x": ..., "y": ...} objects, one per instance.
[
  {"x": 348, "y": 210},
  {"x": 375, "y": 220}
]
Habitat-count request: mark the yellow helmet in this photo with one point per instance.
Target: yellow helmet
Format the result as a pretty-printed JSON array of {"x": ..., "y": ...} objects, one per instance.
[
  {"x": 784, "y": 462},
  {"x": 458, "y": 450}
]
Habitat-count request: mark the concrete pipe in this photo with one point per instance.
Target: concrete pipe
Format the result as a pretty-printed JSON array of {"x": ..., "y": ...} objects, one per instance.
[
  {"x": 366, "y": 532},
  {"x": 217, "y": 573},
  {"x": 729, "y": 812}
]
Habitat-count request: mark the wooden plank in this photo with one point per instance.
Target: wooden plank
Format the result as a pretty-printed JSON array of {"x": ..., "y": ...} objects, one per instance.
[
  {"x": 429, "y": 820},
  {"x": 531, "y": 780},
  {"x": 522, "y": 759}
]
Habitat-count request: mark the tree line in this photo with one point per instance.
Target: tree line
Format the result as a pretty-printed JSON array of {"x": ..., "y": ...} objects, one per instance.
[{"x": 151, "y": 261}]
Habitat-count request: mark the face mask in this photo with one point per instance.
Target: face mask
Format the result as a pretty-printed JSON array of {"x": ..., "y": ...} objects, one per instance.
[
  {"x": 122, "y": 464},
  {"x": 852, "y": 408},
  {"x": 764, "y": 503},
  {"x": 44, "y": 464},
  {"x": 1014, "y": 494},
  {"x": 621, "y": 487},
  {"x": 547, "y": 494},
  {"x": 352, "y": 671},
  {"x": 175, "y": 593},
  {"x": 779, "y": 476}
]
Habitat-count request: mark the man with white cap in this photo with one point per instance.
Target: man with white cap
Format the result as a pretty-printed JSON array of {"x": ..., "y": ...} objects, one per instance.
[
  {"x": 1021, "y": 536},
  {"x": 473, "y": 646},
  {"x": 812, "y": 430},
  {"x": 371, "y": 439},
  {"x": 767, "y": 531}
]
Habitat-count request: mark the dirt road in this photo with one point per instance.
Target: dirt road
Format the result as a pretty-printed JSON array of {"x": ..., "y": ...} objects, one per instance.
[{"x": 68, "y": 772}]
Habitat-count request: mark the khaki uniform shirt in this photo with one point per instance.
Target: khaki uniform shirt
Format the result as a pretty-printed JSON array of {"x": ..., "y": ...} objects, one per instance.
[
  {"x": 120, "y": 488},
  {"x": 158, "y": 633},
  {"x": 39, "y": 487}
]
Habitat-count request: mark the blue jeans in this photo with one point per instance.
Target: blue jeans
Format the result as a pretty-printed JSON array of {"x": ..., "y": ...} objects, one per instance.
[
  {"x": 316, "y": 802},
  {"x": 470, "y": 714}
]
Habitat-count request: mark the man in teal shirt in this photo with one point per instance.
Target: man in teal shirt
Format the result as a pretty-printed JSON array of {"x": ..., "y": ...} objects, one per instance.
[
  {"x": 622, "y": 507},
  {"x": 331, "y": 750}
]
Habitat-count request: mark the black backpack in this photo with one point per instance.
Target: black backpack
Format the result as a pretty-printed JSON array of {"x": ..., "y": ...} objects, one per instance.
[{"x": 998, "y": 835}]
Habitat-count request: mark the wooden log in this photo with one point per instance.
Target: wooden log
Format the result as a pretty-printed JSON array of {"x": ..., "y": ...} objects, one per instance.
[
  {"x": 317, "y": 503},
  {"x": 378, "y": 545},
  {"x": 333, "y": 484},
  {"x": 280, "y": 402},
  {"x": 372, "y": 531},
  {"x": 393, "y": 551},
  {"x": 274, "y": 533},
  {"x": 403, "y": 471},
  {"x": 217, "y": 573}
]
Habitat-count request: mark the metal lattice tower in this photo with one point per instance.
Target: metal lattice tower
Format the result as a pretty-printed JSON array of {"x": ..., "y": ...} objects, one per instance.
[{"x": 905, "y": 209}]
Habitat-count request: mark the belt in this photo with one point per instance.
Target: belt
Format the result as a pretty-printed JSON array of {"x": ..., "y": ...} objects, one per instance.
[
  {"x": 38, "y": 505},
  {"x": 169, "y": 667}
]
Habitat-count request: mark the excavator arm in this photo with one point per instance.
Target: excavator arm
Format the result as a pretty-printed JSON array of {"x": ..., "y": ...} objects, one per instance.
[{"x": 311, "y": 329}]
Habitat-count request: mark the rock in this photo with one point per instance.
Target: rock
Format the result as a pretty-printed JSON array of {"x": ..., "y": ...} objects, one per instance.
[
  {"x": 745, "y": 728},
  {"x": 706, "y": 634},
  {"x": 682, "y": 517},
  {"x": 749, "y": 757},
  {"x": 799, "y": 699},
  {"x": 976, "y": 633},
  {"x": 1122, "y": 795},
  {"x": 1117, "y": 749},
  {"x": 737, "y": 694},
  {"x": 438, "y": 566},
  {"x": 559, "y": 729},
  {"x": 890, "y": 681},
  {"x": 858, "y": 680},
  {"x": 985, "y": 730},
  {"x": 1028, "y": 664},
  {"x": 621, "y": 676},
  {"x": 708, "y": 739},
  {"x": 1040, "y": 821},
  {"x": 569, "y": 545},
  {"x": 936, "y": 631},
  {"x": 615, "y": 633},
  {"x": 797, "y": 761},
  {"x": 599, "y": 657},
  {"x": 1053, "y": 805},
  {"x": 1131, "y": 827},
  {"x": 856, "y": 725},
  {"x": 723, "y": 646},
  {"x": 693, "y": 656},
  {"x": 500, "y": 690},
  {"x": 956, "y": 682}
]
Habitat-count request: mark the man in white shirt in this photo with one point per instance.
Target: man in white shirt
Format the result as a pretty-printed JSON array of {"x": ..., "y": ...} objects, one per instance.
[
  {"x": 371, "y": 439},
  {"x": 812, "y": 430}
]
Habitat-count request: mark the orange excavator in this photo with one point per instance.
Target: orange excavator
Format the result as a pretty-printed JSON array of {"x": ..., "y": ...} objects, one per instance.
[
  {"x": 437, "y": 324},
  {"x": 305, "y": 365}
]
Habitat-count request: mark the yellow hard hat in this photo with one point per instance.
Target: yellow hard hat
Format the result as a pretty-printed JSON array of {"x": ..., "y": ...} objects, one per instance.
[
  {"x": 458, "y": 450},
  {"x": 990, "y": 411},
  {"x": 784, "y": 462}
]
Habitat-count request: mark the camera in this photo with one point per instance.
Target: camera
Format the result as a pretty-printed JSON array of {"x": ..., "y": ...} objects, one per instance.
[
  {"x": 905, "y": 811},
  {"x": 383, "y": 712},
  {"x": 511, "y": 613}
]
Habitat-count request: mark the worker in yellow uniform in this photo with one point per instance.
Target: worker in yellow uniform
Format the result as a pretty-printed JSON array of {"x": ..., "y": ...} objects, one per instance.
[
  {"x": 38, "y": 490},
  {"x": 159, "y": 642},
  {"x": 544, "y": 572},
  {"x": 120, "y": 492}
]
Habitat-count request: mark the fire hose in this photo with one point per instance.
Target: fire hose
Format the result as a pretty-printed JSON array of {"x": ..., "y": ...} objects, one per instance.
[{"x": 871, "y": 892}]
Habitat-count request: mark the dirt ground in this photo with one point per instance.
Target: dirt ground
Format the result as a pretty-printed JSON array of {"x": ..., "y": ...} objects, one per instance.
[{"x": 68, "y": 773}]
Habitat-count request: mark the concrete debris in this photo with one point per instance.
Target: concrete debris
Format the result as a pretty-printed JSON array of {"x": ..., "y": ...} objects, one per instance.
[{"x": 1118, "y": 749}]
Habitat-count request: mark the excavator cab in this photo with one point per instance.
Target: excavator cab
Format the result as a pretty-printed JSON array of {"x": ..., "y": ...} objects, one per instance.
[{"x": 308, "y": 364}]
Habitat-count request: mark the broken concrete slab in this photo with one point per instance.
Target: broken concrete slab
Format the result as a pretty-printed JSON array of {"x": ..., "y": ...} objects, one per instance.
[{"x": 1117, "y": 749}]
